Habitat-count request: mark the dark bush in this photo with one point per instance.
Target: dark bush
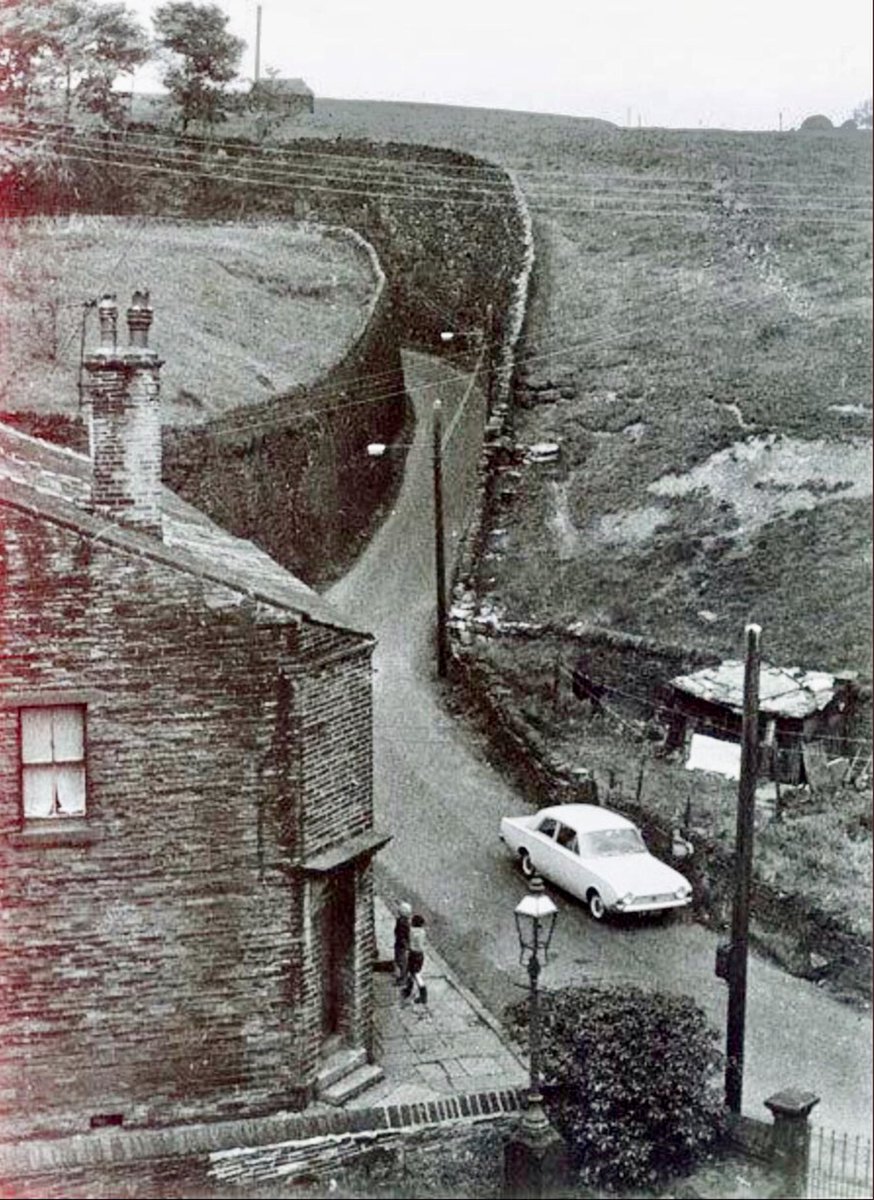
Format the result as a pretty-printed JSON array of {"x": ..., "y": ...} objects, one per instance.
[
  {"x": 630, "y": 1081},
  {"x": 817, "y": 121}
]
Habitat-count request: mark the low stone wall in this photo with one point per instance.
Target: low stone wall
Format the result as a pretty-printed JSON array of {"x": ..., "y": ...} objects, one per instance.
[
  {"x": 416, "y": 1154},
  {"x": 404, "y": 1145}
]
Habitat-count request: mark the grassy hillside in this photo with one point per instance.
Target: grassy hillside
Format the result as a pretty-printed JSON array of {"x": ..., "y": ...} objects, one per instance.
[
  {"x": 714, "y": 351},
  {"x": 241, "y": 311},
  {"x": 702, "y": 305}
]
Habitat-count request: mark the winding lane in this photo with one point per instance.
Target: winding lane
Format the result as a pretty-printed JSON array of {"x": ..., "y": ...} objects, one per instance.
[{"x": 439, "y": 797}]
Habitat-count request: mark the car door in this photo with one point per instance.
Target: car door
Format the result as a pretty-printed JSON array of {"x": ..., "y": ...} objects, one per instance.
[
  {"x": 586, "y": 872},
  {"x": 567, "y": 860},
  {"x": 542, "y": 846}
]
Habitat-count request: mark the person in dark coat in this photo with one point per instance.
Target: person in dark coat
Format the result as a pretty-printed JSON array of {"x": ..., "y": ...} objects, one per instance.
[{"x": 402, "y": 942}]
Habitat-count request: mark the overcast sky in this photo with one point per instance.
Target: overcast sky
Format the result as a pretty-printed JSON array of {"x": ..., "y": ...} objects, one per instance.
[{"x": 718, "y": 63}]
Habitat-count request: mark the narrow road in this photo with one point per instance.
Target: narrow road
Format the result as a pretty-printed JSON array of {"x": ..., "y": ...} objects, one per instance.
[{"x": 438, "y": 796}]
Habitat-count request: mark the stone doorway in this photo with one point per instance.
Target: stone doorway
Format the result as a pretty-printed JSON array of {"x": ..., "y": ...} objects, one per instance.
[{"x": 337, "y": 938}]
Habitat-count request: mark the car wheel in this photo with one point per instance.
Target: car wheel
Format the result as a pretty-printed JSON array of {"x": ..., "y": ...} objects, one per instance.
[
  {"x": 596, "y": 906},
  {"x": 525, "y": 864}
]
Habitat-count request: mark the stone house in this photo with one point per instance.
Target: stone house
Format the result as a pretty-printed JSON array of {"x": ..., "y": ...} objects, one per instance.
[
  {"x": 186, "y": 820},
  {"x": 285, "y": 97}
]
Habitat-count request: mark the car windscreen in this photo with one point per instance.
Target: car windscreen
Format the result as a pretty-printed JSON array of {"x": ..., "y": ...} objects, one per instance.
[{"x": 611, "y": 841}]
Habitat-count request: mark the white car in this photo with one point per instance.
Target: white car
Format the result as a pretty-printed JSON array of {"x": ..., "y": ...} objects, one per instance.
[{"x": 596, "y": 855}]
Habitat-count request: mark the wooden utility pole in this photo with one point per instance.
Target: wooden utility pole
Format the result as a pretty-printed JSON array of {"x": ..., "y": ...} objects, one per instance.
[
  {"x": 439, "y": 549},
  {"x": 257, "y": 43},
  {"x": 740, "y": 917}
]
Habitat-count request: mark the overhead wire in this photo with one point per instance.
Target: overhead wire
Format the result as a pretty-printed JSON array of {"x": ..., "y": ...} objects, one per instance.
[
  {"x": 484, "y": 194},
  {"x": 294, "y": 153},
  {"x": 552, "y": 353},
  {"x": 563, "y": 350},
  {"x": 586, "y": 345}
]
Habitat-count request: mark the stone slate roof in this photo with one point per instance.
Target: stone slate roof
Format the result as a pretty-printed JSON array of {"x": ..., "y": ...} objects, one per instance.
[
  {"x": 54, "y": 483},
  {"x": 783, "y": 691},
  {"x": 295, "y": 87}
]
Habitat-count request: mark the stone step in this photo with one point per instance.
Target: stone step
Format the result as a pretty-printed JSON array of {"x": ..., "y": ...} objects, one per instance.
[
  {"x": 352, "y": 1085},
  {"x": 342, "y": 1062}
]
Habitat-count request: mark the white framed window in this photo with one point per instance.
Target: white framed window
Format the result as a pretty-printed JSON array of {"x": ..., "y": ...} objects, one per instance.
[{"x": 53, "y": 761}]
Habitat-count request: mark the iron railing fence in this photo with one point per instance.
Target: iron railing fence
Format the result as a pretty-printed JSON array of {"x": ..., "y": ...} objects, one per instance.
[{"x": 840, "y": 1166}]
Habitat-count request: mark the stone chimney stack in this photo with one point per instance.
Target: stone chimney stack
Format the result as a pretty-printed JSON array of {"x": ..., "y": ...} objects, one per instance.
[{"x": 121, "y": 399}]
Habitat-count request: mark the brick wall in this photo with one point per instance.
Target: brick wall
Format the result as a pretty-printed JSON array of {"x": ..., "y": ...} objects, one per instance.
[
  {"x": 396, "y": 1146},
  {"x": 156, "y": 968}
]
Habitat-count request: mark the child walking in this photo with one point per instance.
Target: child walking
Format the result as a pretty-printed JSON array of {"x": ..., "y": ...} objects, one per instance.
[{"x": 416, "y": 961}]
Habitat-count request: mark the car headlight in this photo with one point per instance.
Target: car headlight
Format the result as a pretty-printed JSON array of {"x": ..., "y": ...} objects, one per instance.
[
  {"x": 682, "y": 892},
  {"x": 625, "y": 900}
]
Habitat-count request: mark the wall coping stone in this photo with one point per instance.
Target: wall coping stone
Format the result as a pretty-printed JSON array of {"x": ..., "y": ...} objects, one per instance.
[{"x": 222, "y": 1140}]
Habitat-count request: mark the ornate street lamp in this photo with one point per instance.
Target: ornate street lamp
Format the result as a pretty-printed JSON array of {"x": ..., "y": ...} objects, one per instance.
[{"x": 533, "y": 1152}]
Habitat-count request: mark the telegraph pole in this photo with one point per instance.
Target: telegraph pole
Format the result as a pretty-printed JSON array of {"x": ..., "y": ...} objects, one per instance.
[
  {"x": 439, "y": 550},
  {"x": 257, "y": 43},
  {"x": 740, "y": 917}
]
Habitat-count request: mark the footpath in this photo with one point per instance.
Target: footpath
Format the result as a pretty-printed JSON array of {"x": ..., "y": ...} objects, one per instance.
[{"x": 448, "y": 1046}]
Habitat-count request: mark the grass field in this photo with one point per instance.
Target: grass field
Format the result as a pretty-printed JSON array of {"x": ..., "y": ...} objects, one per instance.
[
  {"x": 703, "y": 298},
  {"x": 716, "y": 447},
  {"x": 241, "y": 311}
]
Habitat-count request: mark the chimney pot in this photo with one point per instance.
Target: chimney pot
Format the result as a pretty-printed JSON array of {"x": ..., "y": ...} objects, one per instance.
[
  {"x": 107, "y": 313},
  {"x": 139, "y": 319},
  {"x": 121, "y": 396}
]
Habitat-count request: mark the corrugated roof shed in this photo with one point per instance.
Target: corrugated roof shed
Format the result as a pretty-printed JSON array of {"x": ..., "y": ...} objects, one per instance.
[{"x": 783, "y": 691}]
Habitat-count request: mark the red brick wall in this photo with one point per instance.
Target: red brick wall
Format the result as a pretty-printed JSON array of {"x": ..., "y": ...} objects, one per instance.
[{"x": 159, "y": 971}]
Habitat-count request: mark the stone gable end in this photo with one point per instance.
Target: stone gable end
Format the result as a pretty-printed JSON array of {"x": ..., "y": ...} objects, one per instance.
[{"x": 156, "y": 960}]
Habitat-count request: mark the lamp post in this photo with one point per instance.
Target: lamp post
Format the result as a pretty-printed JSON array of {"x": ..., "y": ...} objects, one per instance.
[{"x": 533, "y": 1152}]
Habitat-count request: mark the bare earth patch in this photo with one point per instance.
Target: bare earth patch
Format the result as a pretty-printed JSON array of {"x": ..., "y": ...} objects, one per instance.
[
  {"x": 242, "y": 311},
  {"x": 758, "y": 480}
]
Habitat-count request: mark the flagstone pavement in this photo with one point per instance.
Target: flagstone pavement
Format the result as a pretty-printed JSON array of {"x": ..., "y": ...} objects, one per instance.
[{"x": 449, "y": 1046}]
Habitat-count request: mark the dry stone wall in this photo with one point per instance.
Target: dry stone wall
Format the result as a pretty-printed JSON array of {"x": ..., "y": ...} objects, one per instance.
[{"x": 452, "y": 239}]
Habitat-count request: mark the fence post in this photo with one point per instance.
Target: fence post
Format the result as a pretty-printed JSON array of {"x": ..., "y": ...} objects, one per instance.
[{"x": 790, "y": 1143}]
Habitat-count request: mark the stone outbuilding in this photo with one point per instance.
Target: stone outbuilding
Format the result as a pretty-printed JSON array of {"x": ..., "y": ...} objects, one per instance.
[{"x": 186, "y": 810}]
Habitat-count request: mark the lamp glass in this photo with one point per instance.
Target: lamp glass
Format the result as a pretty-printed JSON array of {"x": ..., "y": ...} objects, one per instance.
[{"x": 535, "y": 918}]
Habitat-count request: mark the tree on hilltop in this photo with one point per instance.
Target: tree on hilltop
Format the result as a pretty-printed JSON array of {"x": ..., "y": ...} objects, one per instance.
[
  {"x": 862, "y": 114},
  {"x": 817, "y": 122},
  {"x": 77, "y": 47},
  {"x": 203, "y": 59}
]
